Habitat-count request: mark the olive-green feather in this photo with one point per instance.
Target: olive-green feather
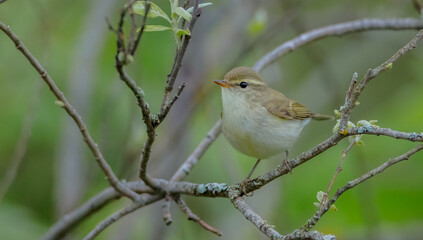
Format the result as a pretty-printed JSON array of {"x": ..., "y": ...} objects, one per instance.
[{"x": 285, "y": 108}]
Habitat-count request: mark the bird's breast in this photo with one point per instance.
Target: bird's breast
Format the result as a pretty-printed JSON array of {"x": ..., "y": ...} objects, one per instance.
[{"x": 252, "y": 130}]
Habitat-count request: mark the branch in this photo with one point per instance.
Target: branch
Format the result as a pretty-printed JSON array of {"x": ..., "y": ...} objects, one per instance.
[
  {"x": 133, "y": 28},
  {"x": 145, "y": 200},
  {"x": 63, "y": 102},
  {"x": 282, "y": 169},
  {"x": 372, "y": 73},
  {"x": 333, "y": 140},
  {"x": 198, "y": 152},
  {"x": 164, "y": 109},
  {"x": 337, "y": 171},
  {"x": 304, "y": 235},
  {"x": 336, "y": 30},
  {"x": 253, "y": 217},
  {"x": 167, "y": 215},
  {"x": 170, "y": 104},
  {"x": 120, "y": 61},
  {"x": 372, "y": 130},
  {"x": 351, "y": 184},
  {"x": 187, "y": 166},
  {"x": 191, "y": 216},
  {"x": 70, "y": 220},
  {"x": 268, "y": 230},
  {"x": 67, "y": 222},
  {"x": 201, "y": 190}
]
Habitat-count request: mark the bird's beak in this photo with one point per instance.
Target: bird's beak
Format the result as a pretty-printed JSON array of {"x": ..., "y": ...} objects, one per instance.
[{"x": 222, "y": 83}]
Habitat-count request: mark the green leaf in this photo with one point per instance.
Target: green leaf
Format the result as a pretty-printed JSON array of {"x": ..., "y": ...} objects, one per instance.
[
  {"x": 121, "y": 56},
  {"x": 337, "y": 113},
  {"x": 336, "y": 127},
  {"x": 355, "y": 139},
  {"x": 320, "y": 195},
  {"x": 333, "y": 208},
  {"x": 350, "y": 124},
  {"x": 175, "y": 3},
  {"x": 258, "y": 23},
  {"x": 183, "y": 13},
  {"x": 199, "y": 6},
  {"x": 59, "y": 103},
  {"x": 155, "y": 28},
  {"x": 363, "y": 123},
  {"x": 181, "y": 32},
  {"x": 155, "y": 11}
]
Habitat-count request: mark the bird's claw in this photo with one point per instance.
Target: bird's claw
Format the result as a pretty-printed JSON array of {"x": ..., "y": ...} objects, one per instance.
[
  {"x": 243, "y": 187},
  {"x": 286, "y": 163}
]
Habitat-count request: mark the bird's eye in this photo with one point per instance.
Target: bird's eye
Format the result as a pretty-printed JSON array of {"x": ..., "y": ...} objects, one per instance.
[{"x": 243, "y": 84}]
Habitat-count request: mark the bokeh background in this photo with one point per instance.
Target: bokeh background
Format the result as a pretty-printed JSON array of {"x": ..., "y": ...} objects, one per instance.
[{"x": 72, "y": 41}]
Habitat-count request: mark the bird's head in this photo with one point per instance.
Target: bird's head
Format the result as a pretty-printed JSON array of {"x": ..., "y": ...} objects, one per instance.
[{"x": 241, "y": 78}]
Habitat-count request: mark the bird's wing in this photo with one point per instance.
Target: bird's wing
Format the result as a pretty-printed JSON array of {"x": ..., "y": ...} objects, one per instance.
[{"x": 285, "y": 108}]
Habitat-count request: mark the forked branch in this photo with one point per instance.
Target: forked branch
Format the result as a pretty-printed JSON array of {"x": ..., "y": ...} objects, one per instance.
[
  {"x": 64, "y": 103},
  {"x": 353, "y": 183}
]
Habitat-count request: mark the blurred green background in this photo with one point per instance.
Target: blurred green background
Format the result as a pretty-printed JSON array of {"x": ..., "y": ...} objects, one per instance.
[{"x": 72, "y": 42}]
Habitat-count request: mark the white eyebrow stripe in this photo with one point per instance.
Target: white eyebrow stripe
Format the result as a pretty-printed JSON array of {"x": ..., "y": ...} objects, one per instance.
[{"x": 250, "y": 81}]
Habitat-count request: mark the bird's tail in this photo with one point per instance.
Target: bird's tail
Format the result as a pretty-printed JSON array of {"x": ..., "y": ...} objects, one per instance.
[{"x": 321, "y": 117}]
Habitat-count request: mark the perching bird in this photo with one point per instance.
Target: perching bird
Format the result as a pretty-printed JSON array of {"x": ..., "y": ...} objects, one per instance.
[{"x": 257, "y": 120}]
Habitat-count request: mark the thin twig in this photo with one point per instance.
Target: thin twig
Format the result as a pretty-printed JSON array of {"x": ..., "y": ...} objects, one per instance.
[
  {"x": 161, "y": 116},
  {"x": 372, "y": 73},
  {"x": 140, "y": 33},
  {"x": 192, "y": 160},
  {"x": 253, "y": 217},
  {"x": 346, "y": 117},
  {"x": 352, "y": 86},
  {"x": 305, "y": 235},
  {"x": 151, "y": 134},
  {"x": 167, "y": 215},
  {"x": 113, "y": 180},
  {"x": 191, "y": 216},
  {"x": 337, "y": 171},
  {"x": 351, "y": 184},
  {"x": 378, "y": 131},
  {"x": 136, "y": 90},
  {"x": 94, "y": 204},
  {"x": 177, "y": 64},
  {"x": 198, "y": 152},
  {"x": 133, "y": 28},
  {"x": 145, "y": 200},
  {"x": 186, "y": 5},
  {"x": 336, "y": 30}
]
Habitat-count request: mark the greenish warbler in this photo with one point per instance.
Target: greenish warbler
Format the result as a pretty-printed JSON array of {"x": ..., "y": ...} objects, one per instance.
[{"x": 257, "y": 120}]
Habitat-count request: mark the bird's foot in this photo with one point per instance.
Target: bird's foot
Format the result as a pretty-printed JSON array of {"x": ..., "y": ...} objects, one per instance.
[
  {"x": 243, "y": 187},
  {"x": 286, "y": 163}
]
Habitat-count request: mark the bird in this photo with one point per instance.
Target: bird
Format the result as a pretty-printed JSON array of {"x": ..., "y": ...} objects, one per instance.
[{"x": 257, "y": 120}]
